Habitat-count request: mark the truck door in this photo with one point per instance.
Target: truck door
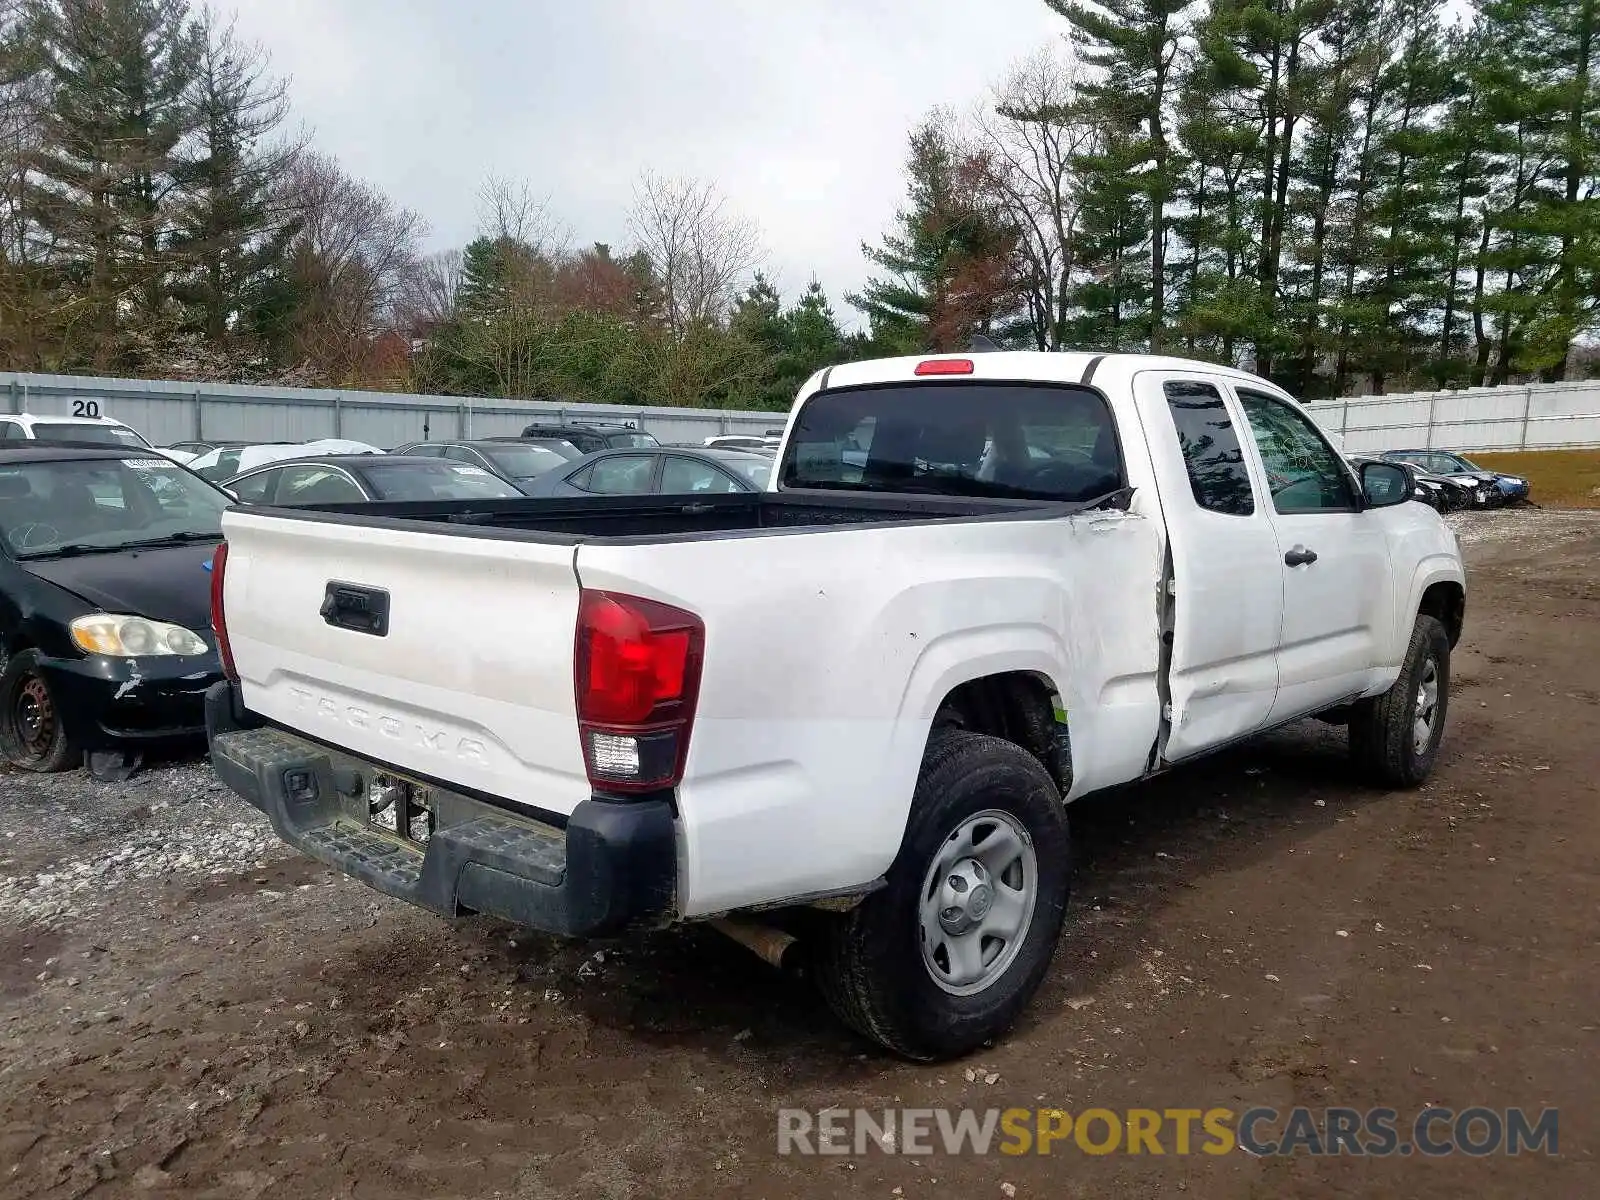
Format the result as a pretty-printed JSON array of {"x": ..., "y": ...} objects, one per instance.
[
  {"x": 1225, "y": 607},
  {"x": 1334, "y": 559}
]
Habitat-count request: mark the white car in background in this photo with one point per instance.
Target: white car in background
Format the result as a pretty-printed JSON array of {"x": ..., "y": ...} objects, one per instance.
[
  {"x": 96, "y": 429},
  {"x": 741, "y": 441},
  {"x": 224, "y": 463}
]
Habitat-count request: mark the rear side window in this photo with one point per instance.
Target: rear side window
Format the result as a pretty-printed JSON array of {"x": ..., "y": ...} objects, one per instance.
[
  {"x": 1211, "y": 452},
  {"x": 624, "y": 475},
  {"x": 1025, "y": 441},
  {"x": 253, "y": 488}
]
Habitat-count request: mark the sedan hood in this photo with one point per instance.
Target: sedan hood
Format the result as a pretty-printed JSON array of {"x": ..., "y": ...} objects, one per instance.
[{"x": 169, "y": 583}]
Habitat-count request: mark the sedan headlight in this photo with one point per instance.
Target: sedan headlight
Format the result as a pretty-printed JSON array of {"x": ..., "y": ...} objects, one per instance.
[{"x": 134, "y": 637}]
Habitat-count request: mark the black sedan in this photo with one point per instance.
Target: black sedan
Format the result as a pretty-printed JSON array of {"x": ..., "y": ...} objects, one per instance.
[
  {"x": 1490, "y": 488},
  {"x": 661, "y": 472},
  {"x": 105, "y": 642},
  {"x": 356, "y": 478},
  {"x": 520, "y": 461},
  {"x": 1438, "y": 493}
]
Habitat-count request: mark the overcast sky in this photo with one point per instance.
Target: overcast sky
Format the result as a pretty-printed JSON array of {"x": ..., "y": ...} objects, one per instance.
[{"x": 799, "y": 111}]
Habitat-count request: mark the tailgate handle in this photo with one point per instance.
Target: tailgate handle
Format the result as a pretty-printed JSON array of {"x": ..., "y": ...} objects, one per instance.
[{"x": 360, "y": 609}]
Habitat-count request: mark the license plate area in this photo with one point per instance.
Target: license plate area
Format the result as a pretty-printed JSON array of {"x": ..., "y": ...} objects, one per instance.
[{"x": 399, "y": 806}]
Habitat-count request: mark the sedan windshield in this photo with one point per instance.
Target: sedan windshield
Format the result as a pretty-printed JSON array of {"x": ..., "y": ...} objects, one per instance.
[
  {"x": 524, "y": 462},
  {"x": 100, "y": 435},
  {"x": 433, "y": 479},
  {"x": 79, "y": 506}
]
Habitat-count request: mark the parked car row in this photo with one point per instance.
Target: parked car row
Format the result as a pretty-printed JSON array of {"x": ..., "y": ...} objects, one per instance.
[{"x": 1450, "y": 481}]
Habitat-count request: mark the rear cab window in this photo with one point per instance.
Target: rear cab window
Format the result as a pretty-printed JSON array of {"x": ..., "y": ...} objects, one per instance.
[
  {"x": 1218, "y": 477},
  {"x": 958, "y": 438}
]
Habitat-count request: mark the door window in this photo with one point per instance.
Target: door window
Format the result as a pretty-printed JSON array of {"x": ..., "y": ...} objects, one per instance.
[
  {"x": 1218, "y": 476},
  {"x": 426, "y": 450},
  {"x": 1304, "y": 473},
  {"x": 317, "y": 484},
  {"x": 683, "y": 476},
  {"x": 624, "y": 475},
  {"x": 254, "y": 488}
]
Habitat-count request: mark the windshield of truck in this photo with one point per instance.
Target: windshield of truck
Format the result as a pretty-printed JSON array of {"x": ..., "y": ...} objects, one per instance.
[
  {"x": 50, "y": 509},
  {"x": 1026, "y": 441}
]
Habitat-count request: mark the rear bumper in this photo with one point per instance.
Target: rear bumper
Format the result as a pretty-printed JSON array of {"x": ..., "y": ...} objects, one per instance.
[{"x": 612, "y": 867}]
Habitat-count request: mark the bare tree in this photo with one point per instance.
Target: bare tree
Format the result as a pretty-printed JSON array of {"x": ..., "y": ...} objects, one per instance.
[
  {"x": 510, "y": 211},
  {"x": 702, "y": 254},
  {"x": 431, "y": 293},
  {"x": 355, "y": 262},
  {"x": 1027, "y": 135}
]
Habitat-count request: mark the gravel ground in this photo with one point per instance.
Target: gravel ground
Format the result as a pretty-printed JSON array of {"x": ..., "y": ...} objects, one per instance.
[
  {"x": 188, "y": 1008},
  {"x": 75, "y": 845}
]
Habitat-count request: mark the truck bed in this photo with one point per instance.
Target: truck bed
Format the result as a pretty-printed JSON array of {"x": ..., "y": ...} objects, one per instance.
[{"x": 625, "y": 519}]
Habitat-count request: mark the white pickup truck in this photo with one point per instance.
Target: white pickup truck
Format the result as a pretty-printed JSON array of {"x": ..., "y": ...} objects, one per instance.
[{"x": 855, "y": 706}]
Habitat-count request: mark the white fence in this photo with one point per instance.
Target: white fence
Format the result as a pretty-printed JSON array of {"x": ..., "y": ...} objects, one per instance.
[
  {"x": 1534, "y": 417},
  {"x": 166, "y": 412},
  {"x": 1540, "y": 416}
]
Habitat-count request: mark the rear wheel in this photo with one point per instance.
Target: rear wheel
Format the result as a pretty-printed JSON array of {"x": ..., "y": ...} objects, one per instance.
[
  {"x": 946, "y": 956},
  {"x": 32, "y": 734},
  {"x": 1394, "y": 738}
]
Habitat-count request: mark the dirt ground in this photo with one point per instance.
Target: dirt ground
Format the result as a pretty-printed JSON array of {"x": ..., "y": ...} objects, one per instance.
[{"x": 186, "y": 1008}]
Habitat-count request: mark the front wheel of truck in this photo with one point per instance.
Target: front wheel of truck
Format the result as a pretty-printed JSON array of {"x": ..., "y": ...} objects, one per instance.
[
  {"x": 945, "y": 957},
  {"x": 1394, "y": 738}
]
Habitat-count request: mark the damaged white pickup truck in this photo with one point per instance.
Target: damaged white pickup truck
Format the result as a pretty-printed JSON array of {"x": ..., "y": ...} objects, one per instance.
[{"x": 855, "y": 707}]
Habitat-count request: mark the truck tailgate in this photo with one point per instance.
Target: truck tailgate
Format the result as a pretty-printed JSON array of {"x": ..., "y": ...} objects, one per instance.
[{"x": 472, "y": 680}]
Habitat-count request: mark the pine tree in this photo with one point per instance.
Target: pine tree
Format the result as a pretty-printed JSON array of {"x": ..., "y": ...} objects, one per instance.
[
  {"x": 119, "y": 74},
  {"x": 945, "y": 265},
  {"x": 814, "y": 339},
  {"x": 1215, "y": 290},
  {"x": 1134, "y": 45},
  {"x": 1111, "y": 305},
  {"x": 232, "y": 233}
]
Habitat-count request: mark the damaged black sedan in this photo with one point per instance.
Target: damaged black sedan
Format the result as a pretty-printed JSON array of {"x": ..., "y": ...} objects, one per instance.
[{"x": 105, "y": 645}]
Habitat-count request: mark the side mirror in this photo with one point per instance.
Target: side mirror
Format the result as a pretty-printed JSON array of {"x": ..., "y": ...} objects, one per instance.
[{"x": 1385, "y": 484}]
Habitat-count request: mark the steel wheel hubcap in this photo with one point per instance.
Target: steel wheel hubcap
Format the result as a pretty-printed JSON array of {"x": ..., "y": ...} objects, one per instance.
[
  {"x": 35, "y": 717},
  {"x": 977, "y": 902},
  {"x": 1427, "y": 707}
]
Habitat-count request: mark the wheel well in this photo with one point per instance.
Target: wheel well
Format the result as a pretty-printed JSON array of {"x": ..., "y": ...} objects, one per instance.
[
  {"x": 1447, "y": 603},
  {"x": 1018, "y": 706}
]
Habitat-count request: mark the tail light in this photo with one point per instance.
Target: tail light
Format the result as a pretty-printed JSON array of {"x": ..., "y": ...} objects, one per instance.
[
  {"x": 637, "y": 676},
  {"x": 219, "y": 619}
]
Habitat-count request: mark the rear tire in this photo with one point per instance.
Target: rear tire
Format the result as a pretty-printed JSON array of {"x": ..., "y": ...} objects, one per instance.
[
  {"x": 32, "y": 734},
  {"x": 1394, "y": 738},
  {"x": 945, "y": 957}
]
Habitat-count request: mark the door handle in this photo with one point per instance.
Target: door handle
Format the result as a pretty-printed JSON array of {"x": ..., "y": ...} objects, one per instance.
[{"x": 1300, "y": 557}]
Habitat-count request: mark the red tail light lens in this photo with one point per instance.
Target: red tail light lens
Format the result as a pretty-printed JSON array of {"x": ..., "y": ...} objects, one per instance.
[
  {"x": 219, "y": 619},
  {"x": 637, "y": 676},
  {"x": 945, "y": 366}
]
